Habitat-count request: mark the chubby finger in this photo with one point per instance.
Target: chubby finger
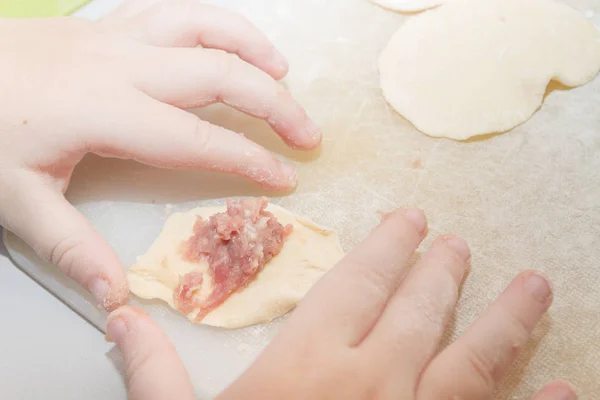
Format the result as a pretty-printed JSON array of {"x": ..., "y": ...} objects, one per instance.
[
  {"x": 194, "y": 78},
  {"x": 482, "y": 355},
  {"x": 348, "y": 300},
  {"x": 158, "y": 134},
  {"x": 557, "y": 390},
  {"x": 154, "y": 371},
  {"x": 411, "y": 326},
  {"x": 42, "y": 217},
  {"x": 189, "y": 23}
]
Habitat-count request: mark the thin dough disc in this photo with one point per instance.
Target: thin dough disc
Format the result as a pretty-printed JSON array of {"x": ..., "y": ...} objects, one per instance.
[
  {"x": 409, "y": 6},
  {"x": 306, "y": 255},
  {"x": 474, "y": 67}
]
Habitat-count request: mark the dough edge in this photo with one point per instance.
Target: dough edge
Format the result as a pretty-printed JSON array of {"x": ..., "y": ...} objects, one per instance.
[
  {"x": 272, "y": 294},
  {"x": 404, "y": 106}
]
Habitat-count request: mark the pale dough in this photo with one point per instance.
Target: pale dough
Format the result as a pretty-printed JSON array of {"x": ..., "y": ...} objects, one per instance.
[
  {"x": 473, "y": 67},
  {"x": 306, "y": 255},
  {"x": 409, "y": 6}
]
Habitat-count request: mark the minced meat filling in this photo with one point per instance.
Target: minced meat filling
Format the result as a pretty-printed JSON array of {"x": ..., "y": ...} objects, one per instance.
[{"x": 236, "y": 244}]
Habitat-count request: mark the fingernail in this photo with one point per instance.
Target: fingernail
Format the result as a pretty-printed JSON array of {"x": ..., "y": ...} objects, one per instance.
[
  {"x": 565, "y": 392},
  {"x": 99, "y": 289},
  {"x": 116, "y": 330},
  {"x": 416, "y": 218},
  {"x": 280, "y": 61},
  {"x": 539, "y": 287},
  {"x": 313, "y": 130},
  {"x": 458, "y": 245},
  {"x": 289, "y": 172}
]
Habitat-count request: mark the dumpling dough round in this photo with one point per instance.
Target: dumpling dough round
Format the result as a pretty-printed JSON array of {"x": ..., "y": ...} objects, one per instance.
[
  {"x": 409, "y": 5},
  {"x": 305, "y": 256},
  {"x": 473, "y": 67}
]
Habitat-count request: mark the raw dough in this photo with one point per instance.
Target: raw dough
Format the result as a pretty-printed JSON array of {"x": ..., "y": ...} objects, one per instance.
[
  {"x": 409, "y": 6},
  {"x": 473, "y": 67},
  {"x": 306, "y": 255}
]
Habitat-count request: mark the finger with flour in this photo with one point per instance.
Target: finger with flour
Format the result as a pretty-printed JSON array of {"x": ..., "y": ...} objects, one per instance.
[
  {"x": 164, "y": 136},
  {"x": 408, "y": 333},
  {"x": 347, "y": 301},
  {"x": 42, "y": 217},
  {"x": 194, "y": 78},
  {"x": 481, "y": 357}
]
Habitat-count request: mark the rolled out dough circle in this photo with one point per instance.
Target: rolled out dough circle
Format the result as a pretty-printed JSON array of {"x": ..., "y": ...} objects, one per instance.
[
  {"x": 474, "y": 67},
  {"x": 305, "y": 256}
]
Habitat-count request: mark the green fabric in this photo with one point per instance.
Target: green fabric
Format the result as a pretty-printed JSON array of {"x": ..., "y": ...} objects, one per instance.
[{"x": 38, "y": 8}]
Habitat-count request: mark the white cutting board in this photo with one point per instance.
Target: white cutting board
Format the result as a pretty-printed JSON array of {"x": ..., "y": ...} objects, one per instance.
[{"x": 528, "y": 198}]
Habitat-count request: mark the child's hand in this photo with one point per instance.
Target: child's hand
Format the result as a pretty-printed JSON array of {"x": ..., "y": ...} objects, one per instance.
[
  {"x": 117, "y": 88},
  {"x": 370, "y": 329}
]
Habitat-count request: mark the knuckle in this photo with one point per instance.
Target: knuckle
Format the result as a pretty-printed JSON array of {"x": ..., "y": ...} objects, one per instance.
[
  {"x": 431, "y": 309},
  {"x": 64, "y": 254},
  {"x": 137, "y": 364},
  {"x": 370, "y": 279},
  {"x": 482, "y": 367},
  {"x": 423, "y": 320},
  {"x": 516, "y": 328}
]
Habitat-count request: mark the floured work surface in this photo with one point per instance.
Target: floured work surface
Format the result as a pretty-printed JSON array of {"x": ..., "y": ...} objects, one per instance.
[{"x": 529, "y": 198}]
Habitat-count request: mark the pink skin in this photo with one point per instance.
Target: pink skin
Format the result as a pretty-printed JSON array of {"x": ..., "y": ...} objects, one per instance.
[
  {"x": 118, "y": 88},
  {"x": 377, "y": 338},
  {"x": 378, "y": 335}
]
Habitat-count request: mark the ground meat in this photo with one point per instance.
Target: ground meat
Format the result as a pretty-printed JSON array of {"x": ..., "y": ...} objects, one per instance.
[
  {"x": 184, "y": 294},
  {"x": 236, "y": 244}
]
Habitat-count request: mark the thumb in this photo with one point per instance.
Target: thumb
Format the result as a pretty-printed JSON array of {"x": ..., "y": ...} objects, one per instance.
[
  {"x": 153, "y": 368},
  {"x": 38, "y": 213},
  {"x": 557, "y": 390}
]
